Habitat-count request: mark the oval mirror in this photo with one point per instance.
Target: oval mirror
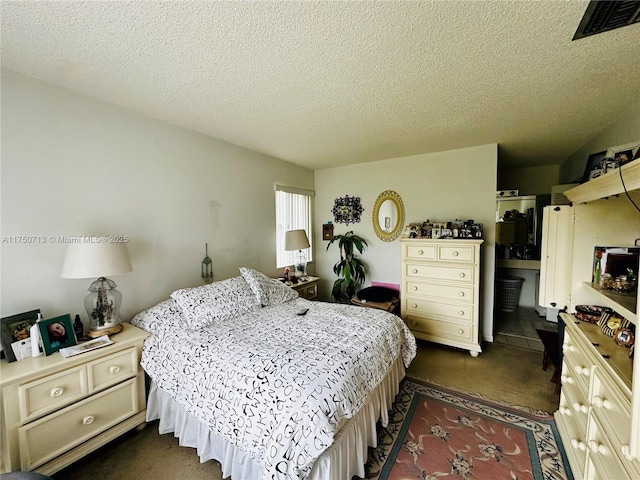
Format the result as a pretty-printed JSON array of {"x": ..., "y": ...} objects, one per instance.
[{"x": 388, "y": 216}]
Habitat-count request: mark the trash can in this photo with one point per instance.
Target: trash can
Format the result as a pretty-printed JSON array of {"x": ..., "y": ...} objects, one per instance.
[{"x": 508, "y": 293}]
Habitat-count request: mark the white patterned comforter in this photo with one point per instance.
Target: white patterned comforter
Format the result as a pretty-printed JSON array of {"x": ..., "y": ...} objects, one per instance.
[{"x": 273, "y": 383}]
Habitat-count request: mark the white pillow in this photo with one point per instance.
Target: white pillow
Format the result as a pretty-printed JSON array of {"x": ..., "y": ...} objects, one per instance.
[
  {"x": 268, "y": 291},
  {"x": 153, "y": 319},
  {"x": 217, "y": 301}
]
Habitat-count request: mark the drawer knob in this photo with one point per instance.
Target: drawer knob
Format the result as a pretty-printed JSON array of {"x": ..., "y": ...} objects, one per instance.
[
  {"x": 568, "y": 348},
  {"x": 565, "y": 411},
  {"x": 601, "y": 402},
  {"x": 578, "y": 444},
  {"x": 460, "y": 331},
  {"x": 582, "y": 370},
  {"x": 455, "y": 253},
  {"x": 415, "y": 305},
  {"x": 579, "y": 407},
  {"x": 461, "y": 312},
  {"x": 114, "y": 369},
  {"x": 461, "y": 294},
  {"x": 56, "y": 392},
  {"x": 88, "y": 420},
  {"x": 461, "y": 275},
  {"x": 420, "y": 252},
  {"x": 596, "y": 447},
  {"x": 413, "y": 323},
  {"x": 415, "y": 288},
  {"x": 567, "y": 379},
  {"x": 626, "y": 452},
  {"x": 415, "y": 270}
]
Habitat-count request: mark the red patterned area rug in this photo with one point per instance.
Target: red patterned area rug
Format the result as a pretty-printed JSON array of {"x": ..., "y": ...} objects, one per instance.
[{"x": 435, "y": 433}]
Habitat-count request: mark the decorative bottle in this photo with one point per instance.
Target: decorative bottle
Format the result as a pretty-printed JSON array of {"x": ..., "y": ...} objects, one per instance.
[{"x": 78, "y": 327}]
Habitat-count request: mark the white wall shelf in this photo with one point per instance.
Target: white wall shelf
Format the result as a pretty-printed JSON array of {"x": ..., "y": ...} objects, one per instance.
[
  {"x": 608, "y": 184},
  {"x": 625, "y": 305}
]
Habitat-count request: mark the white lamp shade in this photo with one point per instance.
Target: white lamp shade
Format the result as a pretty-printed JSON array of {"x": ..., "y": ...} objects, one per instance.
[
  {"x": 90, "y": 259},
  {"x": 296, "y": 240}
]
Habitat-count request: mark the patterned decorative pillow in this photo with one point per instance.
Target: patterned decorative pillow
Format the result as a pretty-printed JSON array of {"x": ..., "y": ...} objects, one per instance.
[
  {"x": 153, "y": 319},
  {"x": 217, "y": 301},
  {"x": 268, "y": 291}
]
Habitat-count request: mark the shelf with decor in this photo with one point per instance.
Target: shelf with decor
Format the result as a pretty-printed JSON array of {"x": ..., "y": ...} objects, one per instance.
[
  {"x": 608, "y": 184},
  {"x": 625, "y": 305}
]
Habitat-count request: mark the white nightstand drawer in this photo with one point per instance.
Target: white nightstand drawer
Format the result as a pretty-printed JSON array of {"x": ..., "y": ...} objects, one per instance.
[
  {"x": 456, "y": 254},
  {"x": 49, "y": 437},
  {"x": 461, "y": 293},
  {"x": 51, "y": 393},
  {"x": 459, "y": 274},
  {"x": 112, "y": 369}
]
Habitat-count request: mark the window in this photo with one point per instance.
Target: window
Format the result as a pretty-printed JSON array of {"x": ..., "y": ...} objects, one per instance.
[{"x": 293, "y": 211}]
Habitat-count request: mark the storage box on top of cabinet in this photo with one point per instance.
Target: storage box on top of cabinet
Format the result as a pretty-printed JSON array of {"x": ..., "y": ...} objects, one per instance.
[{"x": 440, "y": 291}]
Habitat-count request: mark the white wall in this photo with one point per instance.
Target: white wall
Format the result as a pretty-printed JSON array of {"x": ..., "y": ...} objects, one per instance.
[
  {"x": 72, "y": 165},
  {"x": 438, "y": 186},
  {"x": 626, "y": 129}
]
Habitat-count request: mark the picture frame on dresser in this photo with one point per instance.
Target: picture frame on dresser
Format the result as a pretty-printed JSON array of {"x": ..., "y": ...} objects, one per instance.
[
  {"x": 57, "y": 333},
  {"x": 14, "y": 334},
  {"x": 593, "y": 167}
]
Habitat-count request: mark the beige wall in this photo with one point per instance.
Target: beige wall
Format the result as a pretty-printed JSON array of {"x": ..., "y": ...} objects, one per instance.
[
  {"x": 623, "y": 131},
  {"x": 529, "y": 180},
  {"x": 438, "y": 186},
  {"x": 72, "y": 165}
]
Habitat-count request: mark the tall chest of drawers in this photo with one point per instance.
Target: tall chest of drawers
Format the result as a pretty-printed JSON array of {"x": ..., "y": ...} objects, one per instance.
[
  {"x": 440, "y": 291},
  {"x": 55, "y": 410}
]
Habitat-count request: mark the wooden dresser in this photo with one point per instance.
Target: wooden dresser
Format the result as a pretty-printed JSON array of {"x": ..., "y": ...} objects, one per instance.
[
  {"x": 440, "y": 291},
  {"x": 55, "y": 410}
]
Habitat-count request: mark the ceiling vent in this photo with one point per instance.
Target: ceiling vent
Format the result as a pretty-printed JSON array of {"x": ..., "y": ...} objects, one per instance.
[{"x": 602, "y": 16}]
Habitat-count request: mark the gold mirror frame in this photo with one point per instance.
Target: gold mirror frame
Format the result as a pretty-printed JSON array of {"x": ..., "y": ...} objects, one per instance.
[{"x": 388, "y": 236}]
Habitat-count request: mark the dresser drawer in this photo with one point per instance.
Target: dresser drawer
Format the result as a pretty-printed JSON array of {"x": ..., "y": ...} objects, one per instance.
[
  {"x": 422, "y": 252},
  {"x": 612, "y": 406},
  {"x": 463, "y": 274},
  {"x": 460, "y": 293},
  {"x": 112, "y": 369},
  {"x": 578, "y": 363},
  {"x": 456, "y": 253},
  {"x": 51, "y": 436},
  {"x": 604, "y": 461},
  {"x": 51, "y": 393},
  {"x": 574, "y": 404},
  {"x": 414, "y": 306},
  {"x": 428, "y": 326}
]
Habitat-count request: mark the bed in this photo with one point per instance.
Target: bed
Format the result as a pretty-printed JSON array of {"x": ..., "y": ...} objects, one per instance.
[{"x": 239, "y": 375}]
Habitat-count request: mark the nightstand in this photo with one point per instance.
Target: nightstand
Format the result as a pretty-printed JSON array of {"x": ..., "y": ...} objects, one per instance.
[
  {"x": 308, "y": 289},
  {"x": 55, "y": 410}
]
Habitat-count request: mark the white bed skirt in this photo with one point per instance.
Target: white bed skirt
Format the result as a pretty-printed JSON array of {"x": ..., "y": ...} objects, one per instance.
[{"x": 342, "y": 460}]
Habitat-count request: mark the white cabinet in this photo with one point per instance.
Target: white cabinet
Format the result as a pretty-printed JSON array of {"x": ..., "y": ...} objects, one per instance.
[
  {"x": 55, "y": 410},
  {"x": 599, "y": 414},
  {"x": 440, "y": 291},
  {"x": 556, "y": 257}
]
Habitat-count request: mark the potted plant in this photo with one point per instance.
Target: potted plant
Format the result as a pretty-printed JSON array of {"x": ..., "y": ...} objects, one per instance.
[{"x": 350, "y": 269}]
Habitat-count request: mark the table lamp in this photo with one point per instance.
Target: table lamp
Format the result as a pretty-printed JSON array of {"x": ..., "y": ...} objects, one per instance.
[
  {"x": 92, "y": 258},
  {"x": 298, "y": 240}
]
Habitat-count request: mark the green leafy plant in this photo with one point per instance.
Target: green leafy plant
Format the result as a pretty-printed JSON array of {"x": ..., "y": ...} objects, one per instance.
[{"x": 350, "y": 269}]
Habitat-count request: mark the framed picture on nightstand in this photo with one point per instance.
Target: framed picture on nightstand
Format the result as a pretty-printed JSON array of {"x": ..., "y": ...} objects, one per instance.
[
  {"x": 14, "y": 334},
  {"x": 57, "y": 333}
]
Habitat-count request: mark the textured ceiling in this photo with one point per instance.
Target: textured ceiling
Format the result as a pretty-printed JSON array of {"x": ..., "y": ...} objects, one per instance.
[{"x": 322, "y": 84}]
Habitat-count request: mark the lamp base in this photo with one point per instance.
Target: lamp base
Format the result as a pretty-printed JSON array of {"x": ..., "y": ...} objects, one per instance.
[{"x": 104, "y": 331}]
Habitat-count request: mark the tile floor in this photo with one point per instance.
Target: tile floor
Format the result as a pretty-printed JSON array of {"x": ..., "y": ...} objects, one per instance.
[{"x": 518, "y": 328}]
